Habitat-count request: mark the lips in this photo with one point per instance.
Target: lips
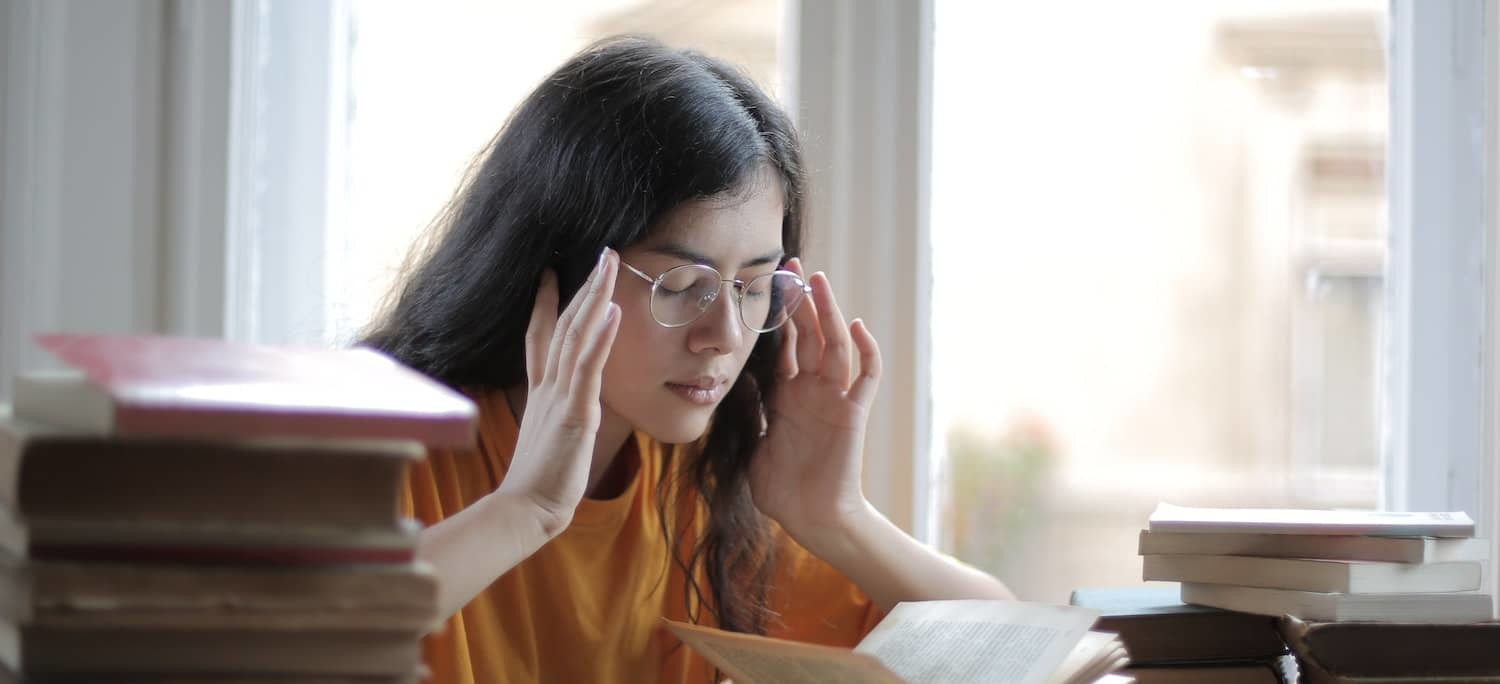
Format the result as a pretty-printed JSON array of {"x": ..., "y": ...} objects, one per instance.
[{"x": 703, "y": 390}]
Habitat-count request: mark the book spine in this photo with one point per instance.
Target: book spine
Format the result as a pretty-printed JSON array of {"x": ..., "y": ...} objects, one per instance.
[{"x": 454, "y": 431}]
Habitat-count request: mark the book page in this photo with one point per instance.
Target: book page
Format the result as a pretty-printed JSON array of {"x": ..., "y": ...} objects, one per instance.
[
  {"x": 760, "y": 660},
  {"x": 977, "y": 641},
  {"x": 1096, "y": 654}
]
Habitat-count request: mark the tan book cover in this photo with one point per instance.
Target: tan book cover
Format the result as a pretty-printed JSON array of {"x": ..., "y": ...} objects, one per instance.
[
  {"x": 1326, "y": 546},
  {"x": 56, "y": 473},
  {"x": 380, "y": 597},
  {"x": 1302, "y": 574},
  {"x": 929, "y": 641}
]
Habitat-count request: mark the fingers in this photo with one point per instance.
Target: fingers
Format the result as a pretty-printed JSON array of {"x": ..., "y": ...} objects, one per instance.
[
  {"x": 863, "y": 390},
  {"x": 809, "y": 347},
  {"x": 786, "y": 361},
  {"x": 837, "y": 347},
  {"x": 582, "y": 319},
  {"x": 539, "y": 332},
  {"x": 588, "y": 377}
]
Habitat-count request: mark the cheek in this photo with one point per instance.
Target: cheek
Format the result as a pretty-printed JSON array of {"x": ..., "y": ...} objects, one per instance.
[{"x": 637, "y": 355}]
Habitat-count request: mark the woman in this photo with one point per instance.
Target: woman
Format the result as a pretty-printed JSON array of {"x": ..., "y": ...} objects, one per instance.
[{"x": 684, "y": 439}]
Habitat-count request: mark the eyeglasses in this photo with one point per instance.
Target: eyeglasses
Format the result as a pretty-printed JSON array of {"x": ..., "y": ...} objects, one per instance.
[{"x": 684, "y": 293}]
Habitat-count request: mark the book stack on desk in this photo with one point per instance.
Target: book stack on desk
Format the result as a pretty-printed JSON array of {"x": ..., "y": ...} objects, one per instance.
[
  {"x": 194, "y": 510},
  {"x": 1331, "y": 566},
  {"x": 1170, "y": 642}
]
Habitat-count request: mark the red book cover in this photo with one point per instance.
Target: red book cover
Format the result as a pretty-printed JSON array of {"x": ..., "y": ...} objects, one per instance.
[{"x": 141, "y": 385}]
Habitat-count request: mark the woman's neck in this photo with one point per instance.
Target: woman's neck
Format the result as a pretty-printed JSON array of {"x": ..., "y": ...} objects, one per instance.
[{"x": 608, "y": 478}]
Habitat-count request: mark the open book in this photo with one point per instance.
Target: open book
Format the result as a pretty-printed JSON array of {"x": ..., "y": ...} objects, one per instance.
[{"x": 929, "y": 641}]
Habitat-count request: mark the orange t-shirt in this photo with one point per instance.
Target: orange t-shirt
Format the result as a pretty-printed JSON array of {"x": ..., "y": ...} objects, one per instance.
[{"x": 587, "y": 606}]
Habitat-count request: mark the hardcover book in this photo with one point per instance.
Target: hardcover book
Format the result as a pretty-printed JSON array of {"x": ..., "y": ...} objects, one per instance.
[
  {"x": 1355, "y": 577},
  {"x": 1332, "y": 547},
  {"x": 1170, "y": 518},
  {"x": 1339, "y": 607},
  {"x": 1156, "y": 627},
  {"x": 1353, "y": 652},
  {"x": 141, "y": 385}
]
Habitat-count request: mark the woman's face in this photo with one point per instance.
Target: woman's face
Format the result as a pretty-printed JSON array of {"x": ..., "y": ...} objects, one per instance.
[{"x": 668, "y": 381}]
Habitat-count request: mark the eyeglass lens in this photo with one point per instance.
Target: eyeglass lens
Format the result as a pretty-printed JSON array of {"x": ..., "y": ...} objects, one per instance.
[{"x": 685, "y": 293}]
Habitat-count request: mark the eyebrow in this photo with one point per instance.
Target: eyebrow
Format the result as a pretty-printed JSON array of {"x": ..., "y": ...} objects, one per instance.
[{"x": 675, "y": 250}]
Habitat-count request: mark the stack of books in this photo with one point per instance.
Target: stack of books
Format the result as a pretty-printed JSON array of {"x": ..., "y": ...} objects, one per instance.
[
  {"x": 1170, "y": 642},
  {"x": 195, "y": 510},
  {"x": 1327, "y": 566},
  {"x": 1359, "y": 596}
]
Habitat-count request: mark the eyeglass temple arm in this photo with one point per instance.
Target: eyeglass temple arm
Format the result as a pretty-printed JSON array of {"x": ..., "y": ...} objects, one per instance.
[{"x": 638, "y": 272}]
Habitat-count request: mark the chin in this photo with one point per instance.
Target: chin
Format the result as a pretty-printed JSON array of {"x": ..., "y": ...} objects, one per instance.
[
  {"x": 675, "y": 425},
  {"x": 683, "y": 430}
]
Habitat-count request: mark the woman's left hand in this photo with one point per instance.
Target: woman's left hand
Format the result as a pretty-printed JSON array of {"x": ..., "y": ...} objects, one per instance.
[{"x": 806, "y": 473}]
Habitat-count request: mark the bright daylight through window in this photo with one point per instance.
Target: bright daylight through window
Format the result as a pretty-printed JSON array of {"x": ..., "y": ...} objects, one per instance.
[{"x": 1158, "y": 248}]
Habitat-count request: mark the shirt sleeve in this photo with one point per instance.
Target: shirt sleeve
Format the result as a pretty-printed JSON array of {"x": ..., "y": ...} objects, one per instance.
[{"x": 818, "y": 604}]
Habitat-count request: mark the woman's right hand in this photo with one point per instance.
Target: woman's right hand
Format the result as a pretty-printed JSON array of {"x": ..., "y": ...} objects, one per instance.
[{"x": 565, "y": 357}]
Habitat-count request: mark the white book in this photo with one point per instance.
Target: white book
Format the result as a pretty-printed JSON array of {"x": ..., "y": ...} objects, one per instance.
[
  {"x": 1170, "y": 518},
  {"x": 1336, "y": 607},
  {"x": 1355, "y": 577},
  {"x": 1332, "y": 547}
]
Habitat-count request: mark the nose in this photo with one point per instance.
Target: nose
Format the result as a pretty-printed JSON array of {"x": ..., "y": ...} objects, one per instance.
[{"x": 719, "y": 329}]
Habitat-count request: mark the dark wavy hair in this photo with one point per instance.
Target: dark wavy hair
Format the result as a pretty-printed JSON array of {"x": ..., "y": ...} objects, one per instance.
[{"x": 618, "y": 136}]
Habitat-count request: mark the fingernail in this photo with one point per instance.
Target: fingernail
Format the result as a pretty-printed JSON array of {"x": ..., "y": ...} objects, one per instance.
[{"x": 603, "y": 254}]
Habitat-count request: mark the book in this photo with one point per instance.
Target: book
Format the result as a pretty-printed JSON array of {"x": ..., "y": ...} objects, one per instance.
[
  {"x": 1332, "y": 547},
  {"x": 119, "y": 595},
  {"x": 419, "y": 675},
  {"x": 52, "y": 473},
  {"x": 191, "y": 543},
  {"x": 416, "y": 677},
  {"x": 1338, "y": 607},
  {"x": 38, "y": 651},
  {"x": 1156, "y": 627},
  {"x": 1170, "y": 518},
  {"x": 1355, "y": 577},
  {"x": 929, "y": 641},
  {"x": 1338, "y": 652},
  {"x": 142, "y": 385}
]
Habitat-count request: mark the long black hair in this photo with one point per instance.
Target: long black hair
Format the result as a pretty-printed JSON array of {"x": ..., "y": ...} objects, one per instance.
[{"x": 619, "y": 135}]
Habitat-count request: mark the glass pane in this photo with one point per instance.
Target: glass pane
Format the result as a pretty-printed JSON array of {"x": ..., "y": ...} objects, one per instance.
[
  {"x": 430, "y": 83},
  {"x": 1157, "y": 255}
]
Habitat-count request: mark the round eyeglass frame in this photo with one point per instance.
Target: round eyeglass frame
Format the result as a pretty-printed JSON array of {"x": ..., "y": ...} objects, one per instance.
[{"x": 740, "y": 286}]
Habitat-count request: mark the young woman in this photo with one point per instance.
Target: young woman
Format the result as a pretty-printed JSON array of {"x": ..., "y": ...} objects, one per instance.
[{"x": 683, "y": 439}]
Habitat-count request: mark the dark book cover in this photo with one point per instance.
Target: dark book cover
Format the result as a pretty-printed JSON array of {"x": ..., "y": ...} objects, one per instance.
[
  {"x": 1157, "y": 627},
  {"x": 1356, "y": 651}
]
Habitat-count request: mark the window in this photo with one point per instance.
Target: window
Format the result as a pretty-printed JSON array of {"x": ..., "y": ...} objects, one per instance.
[
  {"x": 430, "y": 84},
  {"x": 1158, "y": 252}
]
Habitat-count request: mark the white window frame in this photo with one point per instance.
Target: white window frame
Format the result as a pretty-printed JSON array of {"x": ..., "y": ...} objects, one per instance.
[
  {"x": 1489, "y": 467},
  {"x": 1444, "y": 301},
  {"x": 82, "y": 146},
  {"x": 860, "y": 87}
]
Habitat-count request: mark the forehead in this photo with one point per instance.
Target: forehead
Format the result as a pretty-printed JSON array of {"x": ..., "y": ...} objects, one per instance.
[{"x": 729, "y": 226}]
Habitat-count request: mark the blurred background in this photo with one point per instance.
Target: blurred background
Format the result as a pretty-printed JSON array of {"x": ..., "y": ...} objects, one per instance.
[
  {"x": 1156, "y": 259},
  {"x": 1153, "y": 235}
]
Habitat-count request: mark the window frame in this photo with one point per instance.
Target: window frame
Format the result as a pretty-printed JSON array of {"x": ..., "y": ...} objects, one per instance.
[
  {"x": 859, "y": 84},
  {"x": 1441, "y": 292}
]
